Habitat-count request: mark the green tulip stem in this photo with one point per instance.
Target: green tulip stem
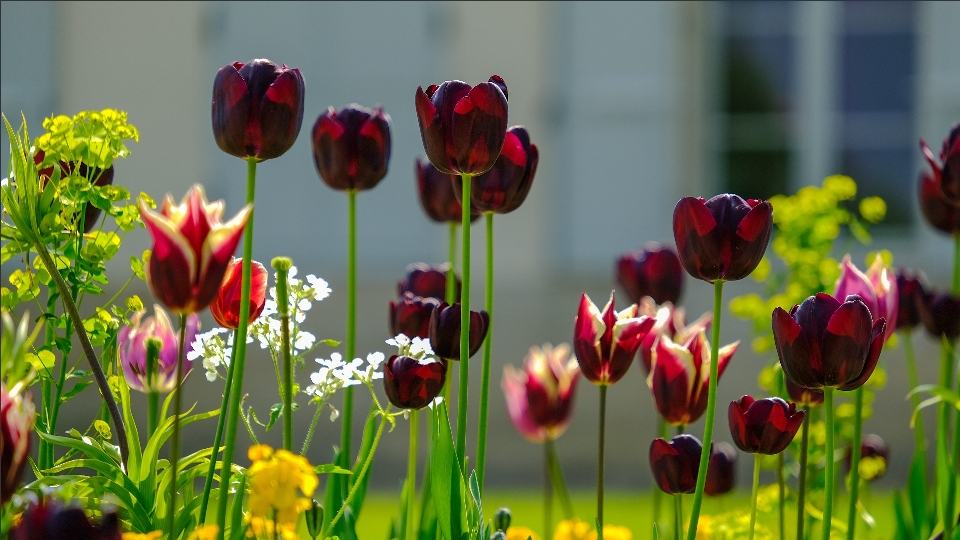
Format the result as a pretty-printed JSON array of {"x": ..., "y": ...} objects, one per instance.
[
  {"x": 802, "y": 480},
  {"x": 920, "y": 441},
  {"x": 657, "y": 493},
  {"x": 153, "y": 413},
  {"x": 240, "y": 353},
  {"x": 783, "y": 495},
  {"x": 559, "y": 482},
  {"x": 218, "y": 437},
  {"x": 547, "y": 491},
  {"x": 282, "y": 266},
  {"x": 451, "y": 296},
  {"x": 603, "y": 421},
  {"x": 153, "y": 397},
  {"x": 753, "y": 494},
  {"x": 830, "y": 463},
  {"x": 464, "y": 331},
  {"x": 711, "y": 410},
  {"x": 410, "y": 532},
  {"x": 487, "y": 346},
  {"x": 175, "y": 439},
  {"x": 855, "y": 463},
  {"x": 678, "y": 516},
  {"x": 346, "y": 430}
]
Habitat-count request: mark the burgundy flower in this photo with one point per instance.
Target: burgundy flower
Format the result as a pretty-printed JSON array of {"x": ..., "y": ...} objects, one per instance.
[
  {"x": 910, "y": 289},
  {"x": 763, "y": 426},
  {"x": 351, "y": 147},
  {"x": 463, "y": 128},
  {"x": 680, "y": 377},
  {"x": 805, "y": 397},
  {"x": 225, "y": 308},
  {"x": 410, "y": 315},
  {"x": 437, "y": 194},
  {"x": 946, "y": 175},
  {"x": 653, "y": 271},
  {"x": 877, "y": 288},
  {"x": 871, "y": 447},
  {"x": 939, "y": 212},
  {"x": 675, "y": 464},
  {"x": 427, "y": 281},
  {"x": 503, "y": 188},
  {"x": 50, "y": 520},
  {"x": 445, "y": 331},
  {"x": 257, "y": 109},
  {"x": 412, "y": 384},
  {"x": 606, "y": 342},
  {"x": 540, "y": 396},
  {"x": 823, "y": 342},
  {"x": 670, "y": 321},
  {"x": 722, "y": 469},
  {"x": 100, "y": 178},
  {"x": 16, "y": 423},
  {"x": 940, "y": 313},
  {"x": 723, "y": 238}
]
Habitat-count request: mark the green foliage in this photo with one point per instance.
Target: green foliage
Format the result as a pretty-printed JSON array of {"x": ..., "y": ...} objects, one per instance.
[
  {"x": 94, "y": 138},
  {"x": 14, "y": 344}
]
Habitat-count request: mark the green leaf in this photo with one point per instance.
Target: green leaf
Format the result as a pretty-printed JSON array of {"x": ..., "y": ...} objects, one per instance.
[
  {"x": 77, "y": 388},
  {"x": 366, "y": 446},
  {"x": 331, "y": 468},
  {"x": 446, "y": 488},
  {"x": 917, "y": 484}
]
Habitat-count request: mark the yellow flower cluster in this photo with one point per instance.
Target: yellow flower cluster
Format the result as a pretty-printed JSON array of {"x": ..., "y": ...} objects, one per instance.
[
  {"x": 155, "y": 535},
  {"x": 521, "y": 533},
  {"x": 276, "y": 480},
  {"x": 581, "y": 530},
  {"x": 207, "y": 532}
]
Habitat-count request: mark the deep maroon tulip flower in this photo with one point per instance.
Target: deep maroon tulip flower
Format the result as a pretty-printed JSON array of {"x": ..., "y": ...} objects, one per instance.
[
  {"x": 823, "y": 342},
  {"x": 871, "y": 448},
  {"x": 675, "y": 463},
  {"x": 503, "y": 188},
  {"x": 132, "y": 349},
  {"x": 410, "y": 315},
  {"x": 670, "y": 321},
  {"x": 653, "y": 271},
  {"x": 804, "y": 397},
  {"x": 940, "y": 313},
  {"x": 225, "y": 308},
  {"x": 942, "y": 214},
  {"x": 257, "y": 109},
  {"x": 445, "y": 331},
  {"x": 877, "y": 288},
  {"x": 100, "y": 177},
  {"x": 947, "y": 174},
  {"x": 763, "y": 426},
  {"x": 351, "y": 147},
  {"x": 437, "y": 194},
  {"x": 412, "y": 384},
  {"x": 722, "y": 469},
  {"x": 463, "y": 128},
  {"x": 427, "y": 281},
  {"x": 723, "y": 238},
  {"x": 606, "y": 342},
  {"x": 191, "y": 249},
  {"x": 50, "y": 520},
  {"x": 540, "y": 396},
  {"x": 16, "y": 423},
  {"x": 910, "y": 289}
]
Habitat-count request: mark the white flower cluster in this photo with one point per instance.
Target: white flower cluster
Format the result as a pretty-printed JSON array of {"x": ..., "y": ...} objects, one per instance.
[
  {"x": 335, "y": 373},
  {"x": 417, "y": 347},
  {"x": 214, "y": 351}
]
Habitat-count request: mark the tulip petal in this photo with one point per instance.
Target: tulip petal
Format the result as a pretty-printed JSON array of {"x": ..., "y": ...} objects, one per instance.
[
  {"x": 672, "y": 380},
  {"x": 281, "y": 114},
  {"x": 432, "y": 133},
  {"x": 479, "y": 127},
  {"x": 230, "y": 111},
  {"x": 750, "y": 242},
  {"x": 873, "y": 356},
  {"x": 854, "y": 282},
  {"x": 692, "y": 223},
  {"x": 846, "y": 342}
]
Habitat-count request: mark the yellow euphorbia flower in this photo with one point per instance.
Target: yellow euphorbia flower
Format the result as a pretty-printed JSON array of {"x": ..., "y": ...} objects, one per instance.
[
  {"x": 207, "y": 532},
  {"x": 612, "y": 532},
  {"x": 275, "y": 477},
  {"x": 521, "y": 533},
  {"x": 572, "y": 530},
  {"x": 155, "y": 535}
]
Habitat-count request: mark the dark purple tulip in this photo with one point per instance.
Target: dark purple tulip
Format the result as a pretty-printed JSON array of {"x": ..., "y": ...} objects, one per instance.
[
  {"x": 445, "y": 331},
  {"x": 939, "y": 212},
  {"x": 722, "y": 469},
  {"x": 872, "y": 446},
  {"x": 805, "y": 397},
  {"x": 823, "y": 342},
  {"x": 946, "y": 175},
  {"x": 437, "y": 194},
  {"x": 411, "y": 314},
  {"x": 674, "y": 464},
  {"x": 412, "y": 384},
  {"x": 653, "y": 271},
  {"x": 100, "y": 177},
  {"x": 427, "y": 281},
  {"x": 911, "y": 290},
  {"x": 351, "y": 147},
  {"x": 463, "y": 128},
  {"x": 50, "y": 520},
  {"x": 940, "y": 313},
  {"x": 723, "y": 238},
  {"x": 503, "y": 188},
  {"x": 763, "y": 426},
  {"x": 257, "y": 109}
]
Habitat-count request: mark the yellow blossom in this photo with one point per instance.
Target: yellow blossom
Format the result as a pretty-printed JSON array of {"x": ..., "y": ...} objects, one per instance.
[
  {"x": 155, "y": 535},
  {"x": 275, "y": 477},
  {"x": 571, "y": 530},
  {"x": 267, "y": 528},
  {"x": 207, "y": 532},
  {"x": 521, "y": 533},
  {"x": 612, "y": 532}
]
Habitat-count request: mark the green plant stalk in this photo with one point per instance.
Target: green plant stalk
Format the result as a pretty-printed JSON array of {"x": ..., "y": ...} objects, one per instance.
[
  {"x": 487, "y": 349},
  {"x": 218, "y": 438},
  {"x": 313, "y": 425},
  {"x": 240, "y": 353},
  {"x": 949, "y": 351},
  {"x": 678, "y": 516},
  {"x": 175, "y": 439},
  {"x": 71, "y": 308},
  {"x": 359, "y": 481},
  {"x": 600, "y": 442},
  {"x": 153, "y": 413},
  {"x": 802, "y": 480},
  {"x": 282, "y": 267},
  {"x": 920, "y": 441},
  {"x": 153, "y": 397},
  {"x": 346, "y": 431},
  {"x": 410, "y": 533},
  {"x": 61, "y": 381},
  {"x": 547, "y": 491},
  {"x": 464, "y": 331},
  {"x": 46, "y": 387},
  {"x": 830, "y": 463},
  {"x": 783, "y": 495},
  {"x": 711, "y": 410},
  {"x": 657, "y": 493},
  {"x": 754, "y": 493},
  {"x": 855, "y": 463},
  {"x": 451, "y": 294},
  {"x": 559, "y": 483}
]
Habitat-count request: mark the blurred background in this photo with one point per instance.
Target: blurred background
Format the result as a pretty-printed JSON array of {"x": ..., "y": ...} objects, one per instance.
[{"x": 632, "y": 105}]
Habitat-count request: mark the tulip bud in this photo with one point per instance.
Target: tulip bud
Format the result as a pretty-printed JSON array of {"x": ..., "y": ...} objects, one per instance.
[
  {"x": 877, "y": 288},
  {"x": 940, "y": 313},
  {"x": 411, "y": 315},
  {"x": 938, "y": 211},
  {"x": 427, "y": 281},
  {"x": 605, "y": 343},
  {"x": 413, "y": 384},
  {"x": 723, "y": 238},
  {"x": 540, "y": 396},
  {"x": 499, "y": 535},
  {"x": 947, "y": 175},
  {"x": 314, "y": 519},
  {"x": 351, "y": 147},
  {"x": 225, "y": 308},
  {"x": 872, "y": 448},
  {"x": 654, "y": 271},
  {"x": 48, "y": 519},
  {"x": 501, "y": 520},
  {"x": 805, "y": 397},
  {"x": 910, "y": 289},
  {"x": 16, "y": 422},
  {"x": 763, "y": 426},
  {"x": 675, "y": 464},
  {"x": 463, "y": 128},
  {"x": 445, "y": 331},
  {"x": 437, "y": 194},
  {"x": 503, "y": 188},
  {"x": 257, "y": 109},
  {"x": 721, "y": 470},
  {"x": 133, "y": 343}
]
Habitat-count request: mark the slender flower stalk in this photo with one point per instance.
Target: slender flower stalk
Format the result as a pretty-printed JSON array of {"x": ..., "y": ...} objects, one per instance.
[
  {"x": 711, "y": 410},
  {"x": 175, "y": 439},
  {"x": 920, "y": 441},
  {"x": 855, "y": 463},
  {"x": 487, "y": 346},
  {"x": 559, "y": 483},
  {"x": 947, "y": 379},
  {"x": 451, "y": 289},
  {"x": 282, "y": 266},
  {"x": 802, "y": 480},
  {"x": 218, "y": 438},
  {"x": 678, "y": 516},
  {"x": 657, "y": 493},
  {"x": 153, "y": 397},
  {"x": 783, "y": 495},
  {"x": 464, "y": 328},
  {"x": 547, "y": 493},
  {"x": 603, "y": 421},
  {"x": 754, "y": 493},
  {"x": 346, "y": 431},
  {"x": 410, "y": 533},
  {"x": 828, "y": 452}
]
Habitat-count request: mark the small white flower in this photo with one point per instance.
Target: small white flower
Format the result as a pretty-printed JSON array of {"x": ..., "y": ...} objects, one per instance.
[
  {"x": 436, "y": 402},
  {"x": 212, "y": 375},
  {"x": 304, "y": 305},
  {"x": 321, "y": 289},
  {"x": 420, "y": 347},
  {"x": 400, "y": 341},
  {"x": 300, "y": 317},
  {"x": 334, "y": 414},
  {"x": 304, "y": 341},
  {"x": 375, "y": 359},
  {"x": 292, "y": 272}
]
